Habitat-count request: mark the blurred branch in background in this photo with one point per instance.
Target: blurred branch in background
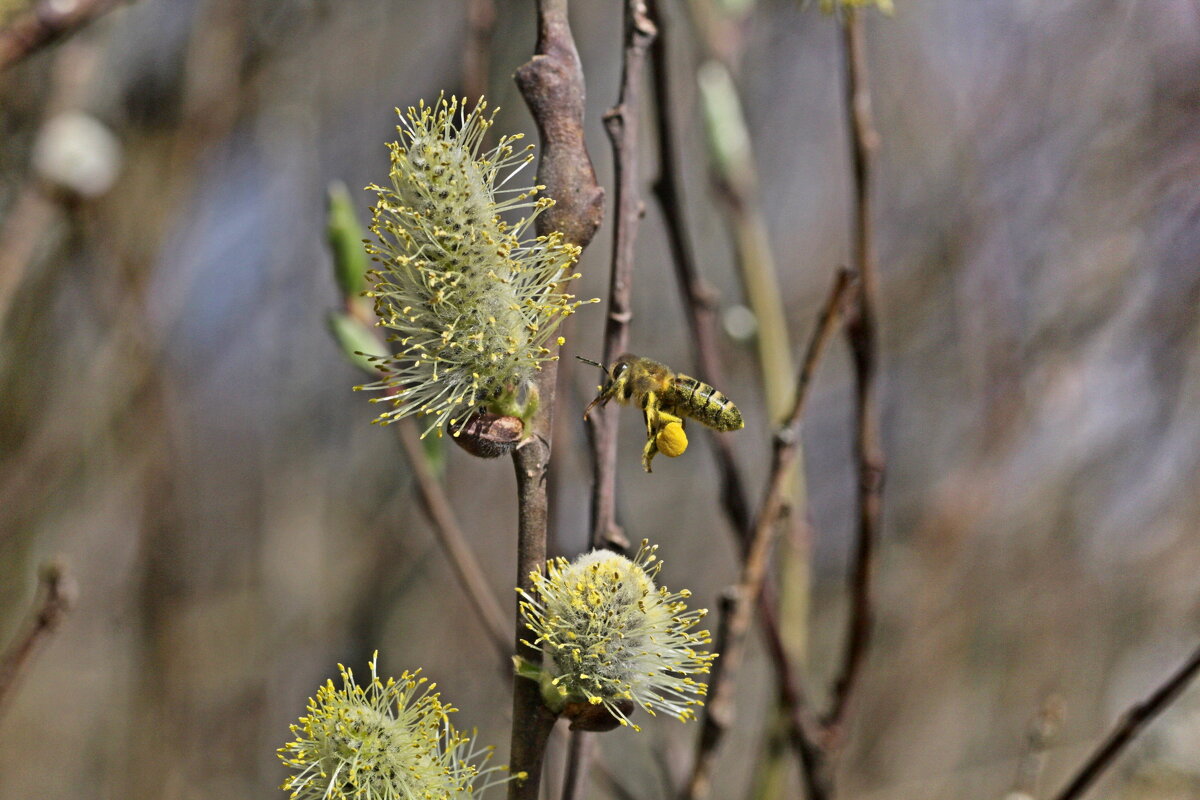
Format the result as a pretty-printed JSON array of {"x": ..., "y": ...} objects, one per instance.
[
  {"x": 862, "y": 335},
  {"x": 55, "y": 595},
  {"x": 1129, "y": 726},
  {"x": 454, "y": 544},
  {"x": 735, "y": 624},
  {"x": 45, "y": 23},
  {"x": 699, "y": 299},
  {"x": 733, "y": 173}
]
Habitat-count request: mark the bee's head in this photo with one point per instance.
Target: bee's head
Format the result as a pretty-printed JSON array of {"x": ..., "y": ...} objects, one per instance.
[{"x": 615, "y": 381}]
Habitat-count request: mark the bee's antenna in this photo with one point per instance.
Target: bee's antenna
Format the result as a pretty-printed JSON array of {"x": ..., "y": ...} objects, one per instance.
[{"x": 593, "y": 363}]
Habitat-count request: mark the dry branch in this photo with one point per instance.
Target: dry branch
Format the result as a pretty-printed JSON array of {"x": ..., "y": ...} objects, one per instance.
[
  {"x": 454, "y": 543},
  {"x": 715, "y": 718},
  {"x": 56, "y": 593},
  {"x": 1130, "y": 725},
  {"x": 552, "y": 85},
  {"x": 862, "y": 337}
]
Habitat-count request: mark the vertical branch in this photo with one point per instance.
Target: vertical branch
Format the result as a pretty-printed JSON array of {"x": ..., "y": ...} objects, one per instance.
[
  {"x": 532, "y": 721},
  {"x": 736, "y": 621},
  {"x": 56, "y": 593},
  {"x": 1130, "y": 725},
  {"x": 454, "y": 543},
  {"x": 861, "y": 334},
  {"x": 700, "y": 311},
  {"x": 699, "y": 301},
  {"x": 622, "y": 125},
  {"x": 552, "y": 85}
]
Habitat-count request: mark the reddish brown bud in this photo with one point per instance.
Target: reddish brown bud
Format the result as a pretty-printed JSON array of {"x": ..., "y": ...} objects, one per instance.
[
  {"x": 596, "y": 718},
  {"x": 489, "y": 435}
]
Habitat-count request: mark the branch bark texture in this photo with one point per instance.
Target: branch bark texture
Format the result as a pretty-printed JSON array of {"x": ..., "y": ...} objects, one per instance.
[
  {"x": 56, "y": 593},
  {"x": 1128, "y": 727},
  {"x": 737, "y": 615},
  {"x": 552, "y": 85},
  {"x": 862, "y": 336}
]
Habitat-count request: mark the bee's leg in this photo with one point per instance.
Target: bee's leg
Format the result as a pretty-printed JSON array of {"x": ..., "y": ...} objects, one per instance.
[
  {"x": 648, "y": 453},
  {"x": 650, "y": 413}
]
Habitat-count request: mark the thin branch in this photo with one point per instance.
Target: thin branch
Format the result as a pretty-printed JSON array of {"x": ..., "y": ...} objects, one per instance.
[
  {"x": 453, "y": 541},
  {"x": 700, "y": 310},
  {"x": 56, "y": 594},
  {"x": 532, "y": 721},
  {"x": 1129, "y": 726},
  {"x": 621, "y": 123},
  {"x": 699, "y": 300},
  {"x": 47, "y": 22},
  {"x": 552, "y": 85},
  {"x": 22, "y": 232},
  {"x": 579, "y": 758},
  {"x": 754, "y": 566},
  {"x": 862, "y": 337}
]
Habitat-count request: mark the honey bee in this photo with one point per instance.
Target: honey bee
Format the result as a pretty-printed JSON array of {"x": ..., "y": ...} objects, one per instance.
[{"x": 666, "y": 399}]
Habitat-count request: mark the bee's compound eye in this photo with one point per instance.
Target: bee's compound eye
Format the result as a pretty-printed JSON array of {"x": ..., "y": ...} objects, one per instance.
[{"x": 620, "y": 369}]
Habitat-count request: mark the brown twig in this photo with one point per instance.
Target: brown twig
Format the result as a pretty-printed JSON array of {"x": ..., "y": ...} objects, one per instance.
[
  {"x": 700, "y": 310},
  {"x": 44, "y": 24},
  {"x": 453, "y": 541},
  {"x": 622, "y": 125},
  {"x": 1129, "y": 726},
  {"x": 753, "y": 572},
  {"x": 552, "y": 85},
  {"x": 56, "y": 593},
  {"x": 579, "y": 757},
  {"x": 862, "y": 337},
  {"x": 699, "y": 300}
]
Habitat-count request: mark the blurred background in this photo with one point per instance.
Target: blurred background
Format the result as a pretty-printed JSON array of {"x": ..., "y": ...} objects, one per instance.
[{"x": 178, "y": 429}]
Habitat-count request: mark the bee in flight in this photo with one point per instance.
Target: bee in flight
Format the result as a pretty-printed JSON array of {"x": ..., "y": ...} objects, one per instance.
[{"x": 666, "y": 399}]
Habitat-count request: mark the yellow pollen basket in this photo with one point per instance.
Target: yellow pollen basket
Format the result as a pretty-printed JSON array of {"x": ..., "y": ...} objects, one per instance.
[{"x": 672, "y": 440}]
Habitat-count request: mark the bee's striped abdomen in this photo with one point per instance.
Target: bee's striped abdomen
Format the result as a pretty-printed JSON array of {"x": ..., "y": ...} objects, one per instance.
[{"x": 703, "y": 403}]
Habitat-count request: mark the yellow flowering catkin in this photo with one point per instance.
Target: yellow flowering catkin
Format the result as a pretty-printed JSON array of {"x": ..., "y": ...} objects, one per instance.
[
  {"x": 386, "y": 741},
  {"x": 613, "y": 636},
  {"x": 470, "y": 298}
]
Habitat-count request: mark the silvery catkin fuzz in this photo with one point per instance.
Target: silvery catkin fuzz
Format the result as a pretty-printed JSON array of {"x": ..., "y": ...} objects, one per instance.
[
  {"x": 471, "y": 299},
  {"x": 616, "y": 639}
]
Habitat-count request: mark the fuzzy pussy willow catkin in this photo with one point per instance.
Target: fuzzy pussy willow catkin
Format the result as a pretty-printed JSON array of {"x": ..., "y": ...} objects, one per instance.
[
  {"x": 386, "y": 741},
  {"x": 471, "y": 299},
  {"x": 614, "y": 637}
]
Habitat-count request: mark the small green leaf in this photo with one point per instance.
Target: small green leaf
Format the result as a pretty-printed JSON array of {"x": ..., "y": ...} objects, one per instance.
[
  {"x": 346, "y": 236},
  {"x": 355, "y": 339}
]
